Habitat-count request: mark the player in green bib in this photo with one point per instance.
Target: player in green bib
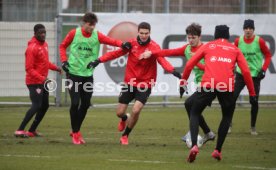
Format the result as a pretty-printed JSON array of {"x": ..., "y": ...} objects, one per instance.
[
  {"x": 84, "y": 45},
  {"x": 258, "y": 58},
  {"x": 193, "y": 33}
]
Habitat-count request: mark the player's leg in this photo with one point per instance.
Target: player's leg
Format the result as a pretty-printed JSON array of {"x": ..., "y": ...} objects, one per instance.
[
  {"x": 126, "y": 96},
  {"x": 41, "y": 113},
  {"x": 75, "y": 101},
  {"x": 203, "y": 98},
  {"x": 35, "y": 93},
  {"x": 227, "y": 102},
  {"x": 202, "y": 123},
  {"x": 141, "y": 97},
  {"x": 74, "y": 91},
  {"x": 238, "y": 86},
  {"x": 255, "y": 107},
  {"x": 86, "y": 91}
]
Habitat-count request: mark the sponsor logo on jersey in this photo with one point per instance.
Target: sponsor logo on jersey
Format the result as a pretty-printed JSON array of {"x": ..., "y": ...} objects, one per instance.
[
  {"x": 220, "y": 59},
  {"x": 212, "y": 46},
  {"x": 213, "y": 59}
]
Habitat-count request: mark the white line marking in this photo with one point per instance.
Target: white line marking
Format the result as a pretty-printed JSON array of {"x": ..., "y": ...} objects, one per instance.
[
  {"x": 25, "y": 156},
  {"x": 253, "y": 167},
  {"x": 140, "y": 161}
]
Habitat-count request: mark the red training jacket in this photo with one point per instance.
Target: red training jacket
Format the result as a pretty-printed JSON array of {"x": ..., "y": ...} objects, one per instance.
[
  {"x": 263, "y": 47},
  {"x": 179, "y": 52},
  {"x": 37, "y": 62},
  {"x": 220, "y": 58},
  {"x": 70, "y": 36},
  {"x": 140, "y": 73}
]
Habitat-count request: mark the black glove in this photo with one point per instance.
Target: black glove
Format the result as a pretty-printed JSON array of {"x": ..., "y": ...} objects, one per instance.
[
  {"x": 261, "y": 74},
  {"x": 93, "y": 64},
  {"x": 176, "y": 74},
  {"x": 253, "y": 100},
  {"x": 65, "y": 66},
  {"x": 126, "y": 45},
  {"x": 182, "y": 90}
]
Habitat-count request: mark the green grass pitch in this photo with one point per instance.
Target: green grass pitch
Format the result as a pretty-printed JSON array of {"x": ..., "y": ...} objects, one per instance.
[{"x": 155, "y": 143}]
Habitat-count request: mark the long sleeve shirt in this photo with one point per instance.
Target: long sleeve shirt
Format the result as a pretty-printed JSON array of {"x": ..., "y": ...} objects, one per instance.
[
  {"x": 37, "y": 62},
  {"x": 178, "y": 52},
  {"x": 220, "y": 57},
  {"x": 140, "y": 73}
]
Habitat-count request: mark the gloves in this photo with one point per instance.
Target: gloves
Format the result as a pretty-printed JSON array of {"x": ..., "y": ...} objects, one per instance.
[
  {"x": 126, "y": 45},
  {"x": 65, "y": 66},
  {"x": 176, "y": 74},
  {"x": 93, "y": 64},
  {"x": 253, "y": 100},
  {"x": 261, "y": 74},
  {"x": 182, "y": 90}
]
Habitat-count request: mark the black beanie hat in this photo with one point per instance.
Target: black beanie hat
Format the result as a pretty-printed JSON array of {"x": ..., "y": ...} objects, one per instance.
[
  {"x": 222, "y": 31},
  {"x": 249, "y": 23}
]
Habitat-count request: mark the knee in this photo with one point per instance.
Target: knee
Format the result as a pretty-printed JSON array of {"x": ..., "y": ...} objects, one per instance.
[
  {"x": 35, "y": 107},
  {"x": 85, "y": 105},
  {"x": 45, "y": 107},
  {"x": 74, "y": 104},
  {"x": 119, "y": 114},
  {"x": 136, "y": 111},
  {"x": 255, "y": 104},
  {"x": 121, "y": 111}
]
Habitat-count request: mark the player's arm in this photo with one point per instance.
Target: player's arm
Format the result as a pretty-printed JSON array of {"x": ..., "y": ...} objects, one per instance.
[
  {"x": 65, "y": 44},
  {"x": 167, "y": 66},
  {"x": 246, "y": 73},
  {"x": 103, "y": 39},
  {"x": 266, "y": 52},
  {"x": 54, "y": 67},
  {"x": 236, "y": 42},
  {"x": 30, "y": 64},
  {"x": 107, "y": 57},
  {"x": 164, "y": 52},
  {"x": 164, "y": 63},
  {"x": 192, "y": 62},
  {"x": 171, "y": 52},
  {"x": 200, "y": 66}
]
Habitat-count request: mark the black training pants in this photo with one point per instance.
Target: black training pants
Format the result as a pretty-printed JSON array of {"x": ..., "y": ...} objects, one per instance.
[
  {"x": 40, "y": 103},
  {"x": 80, "y": 92},
  {"x": 239, "y": 85},
  {"x": 188, "y": 105},
  {"x": 202, "y": 99}
]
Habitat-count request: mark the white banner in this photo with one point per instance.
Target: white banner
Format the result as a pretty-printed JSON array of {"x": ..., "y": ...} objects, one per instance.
[{"x": 168, "y": 30}]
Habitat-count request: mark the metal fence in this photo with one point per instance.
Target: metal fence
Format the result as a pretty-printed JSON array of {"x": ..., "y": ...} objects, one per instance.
[{"x": 37, "y": 10}]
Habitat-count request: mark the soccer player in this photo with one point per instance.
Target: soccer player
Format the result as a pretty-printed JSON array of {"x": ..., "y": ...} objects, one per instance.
[
  {"x": 37, "y": 65},
  {"x": 85, "y": 44},
  {"x": 139, "y": 78},
  {"x": 258, "y": 58},
  {"x": 193, "y": 33},
  {"x": 220, "y": 57}
]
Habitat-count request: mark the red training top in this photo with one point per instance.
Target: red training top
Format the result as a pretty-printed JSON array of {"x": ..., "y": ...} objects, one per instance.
[
  {"x": 37, "y": 62},
  {"x": 220, "y": 57},
  {"x": 179, "y": 52},
  {"x": 140, "y": 73}
]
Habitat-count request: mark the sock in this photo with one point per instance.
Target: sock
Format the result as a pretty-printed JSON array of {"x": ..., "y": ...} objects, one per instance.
[
  {"x": 124, "y": 117},
  {"x": 127, "y": 131}
]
